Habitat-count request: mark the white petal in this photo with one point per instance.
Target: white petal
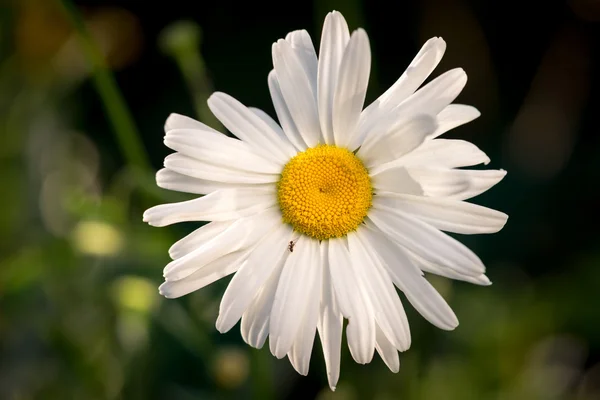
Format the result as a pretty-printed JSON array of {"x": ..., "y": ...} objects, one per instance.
[
  {"x": 242, "y": 234},
  {"x": 458, "y": 184},
  {"x": 244, "y": 124},
  {"x": 427, "y": 241},
  {"x": 404, "y": 138},
  {"x": 431, "y": 99},
  {"x": 413, "y": 77},
  {"x": 283, "y": 114},
  {"x": 351, "y": 88},
  {"x": 409, "y": 279},
  {"x": 297, "y": 90},
  {"x": 436, "y": 95},
  {"x": 445, "y": 214},
  {"x": 387, "y": 351},
  {"x": 255, "y": 320},
  {"x": 269, "y": 255},
  {"x": 454, "y": 115},
  {"x": 417, "y": 72},
  {"x": 334, "y": 38},
  {"x": 197, "y": 238},
  {"x": 178, "y": 121},
  {"x": 218, "y": 149},
  {"x": 221, "y": 205},
  {"x": 303, "y": 343},
  {"x": 419, "y": 69},
  {"x": 330, "y": 322},
  {"x": 171, "y": 180},
  {"x": 220, "y": 173},
  {"x": 305, "y": 50},
  {"x": 395, "y": 180},
  {"x": 353, "y": 302},
  {"x": 296, "y": 284},
  {"x": 444, "y": 271},
  {"x": 272, "y": 124},
  {"x": 204, "y": 276},
  {"x": 388, "y": 310},
  {"x": 442, "y": 153}
]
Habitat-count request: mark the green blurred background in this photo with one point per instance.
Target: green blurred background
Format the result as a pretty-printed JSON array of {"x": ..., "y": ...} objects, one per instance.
[{"x": 85, "y": 88}]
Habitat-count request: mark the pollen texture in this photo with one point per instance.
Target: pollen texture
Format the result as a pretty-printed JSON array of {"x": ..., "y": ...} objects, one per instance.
[{"x": 324, "y": 192}]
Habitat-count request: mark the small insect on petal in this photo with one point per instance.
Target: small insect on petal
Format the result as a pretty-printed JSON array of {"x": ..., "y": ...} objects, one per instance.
[{"x": 291, "y": 246}]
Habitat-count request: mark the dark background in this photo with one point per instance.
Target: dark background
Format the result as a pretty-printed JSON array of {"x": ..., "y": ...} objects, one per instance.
[{"x": 80, "y": 316}]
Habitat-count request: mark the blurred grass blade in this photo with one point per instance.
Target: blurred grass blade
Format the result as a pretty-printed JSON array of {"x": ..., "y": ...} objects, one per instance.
[
  {"x": 112, "y": 100},
  {"x": 181, "y": 40}
]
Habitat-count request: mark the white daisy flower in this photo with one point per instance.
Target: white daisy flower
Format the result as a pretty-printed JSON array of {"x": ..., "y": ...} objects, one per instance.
[{"x": 320, "y": 215}]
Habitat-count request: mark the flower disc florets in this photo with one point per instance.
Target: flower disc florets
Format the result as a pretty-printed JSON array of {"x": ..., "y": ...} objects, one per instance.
[{"x": 324, "y": 192}]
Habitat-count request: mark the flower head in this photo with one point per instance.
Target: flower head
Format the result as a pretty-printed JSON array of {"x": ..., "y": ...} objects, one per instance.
[{"x": 323, "y": 215}]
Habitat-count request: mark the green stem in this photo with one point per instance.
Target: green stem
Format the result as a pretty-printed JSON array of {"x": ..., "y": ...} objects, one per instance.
[
  {"x": 112, "y": 99},
  {"x": 193, "y": 70},
  {"x": 181, "y": 41}
]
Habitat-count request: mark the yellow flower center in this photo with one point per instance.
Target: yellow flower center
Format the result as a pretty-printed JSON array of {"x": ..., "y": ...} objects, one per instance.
[{"x": 324, "y": 192}]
